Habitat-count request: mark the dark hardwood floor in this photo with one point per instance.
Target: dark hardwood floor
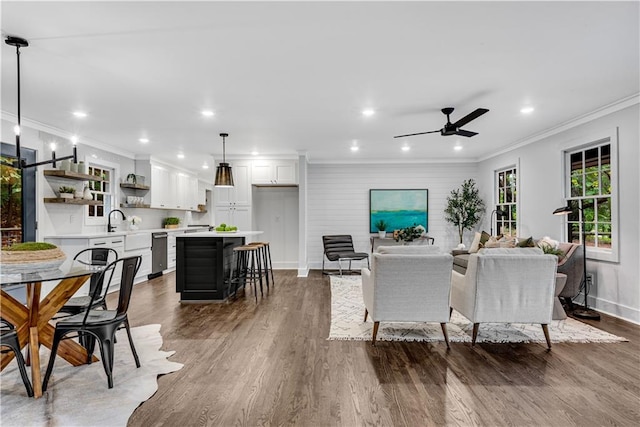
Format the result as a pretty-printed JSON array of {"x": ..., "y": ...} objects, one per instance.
[{"x": 270, "y": 364}]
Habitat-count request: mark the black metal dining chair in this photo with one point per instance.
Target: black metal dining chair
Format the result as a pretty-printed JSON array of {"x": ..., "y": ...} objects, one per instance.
[
  {"x": 9, "y": 338},
  {"x": 100, "y": 325},
  {"x": 92, "y": 257}
]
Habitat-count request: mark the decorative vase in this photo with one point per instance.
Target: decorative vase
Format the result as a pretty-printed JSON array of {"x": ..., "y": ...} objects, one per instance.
[
  {"x": 78, "y": 194},
  {"x": 382, "y": 234},
  {"x": 133, "y": 226},
  {"x": 87, "y": 194},
  {"x": 65, "y": 165},
  {"x": 82, "y": 168},
  {"x": 74, "y": 167}
]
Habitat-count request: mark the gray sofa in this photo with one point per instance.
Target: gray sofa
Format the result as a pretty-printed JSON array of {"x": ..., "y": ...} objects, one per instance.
[{"x": 570, "y": 264}]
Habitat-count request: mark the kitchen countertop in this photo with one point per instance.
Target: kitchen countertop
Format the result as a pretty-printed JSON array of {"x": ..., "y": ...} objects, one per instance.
[
  {"x": 118, "y": 233},
  {"x": 223, "y": 234}
]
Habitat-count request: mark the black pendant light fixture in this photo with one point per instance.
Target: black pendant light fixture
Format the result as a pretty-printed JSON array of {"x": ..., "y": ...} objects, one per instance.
[
  {"x": 224, "y": 177},
  {"x": 19, "y": 42}
]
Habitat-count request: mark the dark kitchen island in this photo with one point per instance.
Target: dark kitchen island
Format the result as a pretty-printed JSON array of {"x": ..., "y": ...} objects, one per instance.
[{"x": 203, "y": 264}]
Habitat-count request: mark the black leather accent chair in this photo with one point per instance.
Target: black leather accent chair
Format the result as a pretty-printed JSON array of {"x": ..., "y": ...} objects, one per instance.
[
  {"x": 100, "y": 325},
  {"x": 340, "y": 248},
  {"x": 9, "y": 338}
]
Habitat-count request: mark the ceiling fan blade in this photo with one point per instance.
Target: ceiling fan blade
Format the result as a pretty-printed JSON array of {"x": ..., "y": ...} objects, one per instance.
[
  {"x": 471, "y": 116},
  {"x": 465, "y": 133},
  {"x": 414, "y": 134}
]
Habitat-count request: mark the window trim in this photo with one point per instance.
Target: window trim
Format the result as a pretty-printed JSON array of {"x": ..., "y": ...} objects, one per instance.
[
  {"x": 115, "y": 188},
  {"x": 496, "y": 194},
  {"x": 593, "y": 139}
]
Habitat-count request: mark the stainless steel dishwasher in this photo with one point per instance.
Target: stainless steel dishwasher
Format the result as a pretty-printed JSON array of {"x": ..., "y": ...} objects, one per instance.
[{"x": 158, "y": 254}]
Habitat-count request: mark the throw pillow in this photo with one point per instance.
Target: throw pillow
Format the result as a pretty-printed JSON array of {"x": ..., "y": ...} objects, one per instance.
[
  {"x": 475, "y": 245},
  {"x": 526, "y": 243},
  {"x": 493, "y": 242}
]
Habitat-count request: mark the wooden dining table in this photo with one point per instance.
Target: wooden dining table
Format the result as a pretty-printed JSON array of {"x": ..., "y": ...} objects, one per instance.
[{"x": 33, "y": 320}]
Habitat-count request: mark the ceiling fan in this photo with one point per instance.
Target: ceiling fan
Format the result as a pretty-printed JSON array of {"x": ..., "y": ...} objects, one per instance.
[{"x": 453, "y": 128}]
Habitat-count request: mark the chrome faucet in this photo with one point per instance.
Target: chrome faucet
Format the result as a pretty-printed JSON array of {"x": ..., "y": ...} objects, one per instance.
[{"x": 111, "y": 228}]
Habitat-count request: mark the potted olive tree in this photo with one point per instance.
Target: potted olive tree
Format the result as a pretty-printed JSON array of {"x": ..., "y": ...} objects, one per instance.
[{"x": 464, "y": 207}]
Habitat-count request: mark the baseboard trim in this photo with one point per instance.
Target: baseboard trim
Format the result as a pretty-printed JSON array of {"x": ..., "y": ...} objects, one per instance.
[
  {"x": 303, "y": 272},
  {"x": 624, "y": 312}
]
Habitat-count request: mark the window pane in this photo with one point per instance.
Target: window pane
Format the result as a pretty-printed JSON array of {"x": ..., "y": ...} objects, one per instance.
[
  {"x": 592, "y": 186},
  {"x": 605, "y": 182},
  {"x": 576, "y": 185},
  {"x": 575, "y": 212},
  {"x": 501, "y": 179},
  {"x": 574, "y": 232},
  {"x": 576, "y": 163},
  {"x": 591, "y": 158},
  {"x": 509, "y": 196},
  {"x": 604, "y": 210},
  {"x": 501, "y": 196},
  {"x": 588, "y": 208}
]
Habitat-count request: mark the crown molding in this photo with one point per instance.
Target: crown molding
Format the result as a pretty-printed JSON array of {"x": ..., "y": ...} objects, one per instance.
[
  {"x": 10, "y": 117},
  {"x": 569, "y": 124}
]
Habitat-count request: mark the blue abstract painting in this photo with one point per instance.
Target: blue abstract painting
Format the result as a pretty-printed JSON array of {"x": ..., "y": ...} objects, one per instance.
[{"x": 398, "y": 208}]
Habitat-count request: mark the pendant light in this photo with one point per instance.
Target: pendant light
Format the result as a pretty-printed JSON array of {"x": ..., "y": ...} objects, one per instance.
[
  {"x": 224, "y": 177},
  {"x": 19, "y": 42}
]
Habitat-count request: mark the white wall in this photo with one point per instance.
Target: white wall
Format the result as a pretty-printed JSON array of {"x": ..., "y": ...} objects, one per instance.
[
  {"x": 617, "y": 289},
  {"x": 275, "y": 211},
  {"x": 338, "y": 200}
]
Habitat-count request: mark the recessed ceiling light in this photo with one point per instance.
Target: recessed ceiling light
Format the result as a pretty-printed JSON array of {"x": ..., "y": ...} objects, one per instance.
[
  {"x": 457, "y": 147},
  {"x": 406, "y": 148},
  {"x": 94, "y": 156},
  {"x": 180, "y": 156},
  {"x": 254, "y": 153},
  {"x": 52, "y": 146},
  {"x": 208, "y": 113},
  {"x": 144, "y": 140},
  {"x": 354, "y": 148},
  {"x": 527, "y": 110},
  {"x": 205, "y": 166},
  {"x": 368, "y": 112},
  {"x": 80, "y": 114}
]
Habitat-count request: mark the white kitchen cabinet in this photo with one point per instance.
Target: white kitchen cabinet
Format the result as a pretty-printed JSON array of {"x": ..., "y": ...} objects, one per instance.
[
  {"x": 162, "y": 187},
  {"x": 240, "y": 216},
  {"x": 274, "y": 172},
  {"x": 240, "y": 193}
]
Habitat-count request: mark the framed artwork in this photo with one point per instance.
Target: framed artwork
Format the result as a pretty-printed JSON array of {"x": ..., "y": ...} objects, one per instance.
[{"x": 398, "y": 208}]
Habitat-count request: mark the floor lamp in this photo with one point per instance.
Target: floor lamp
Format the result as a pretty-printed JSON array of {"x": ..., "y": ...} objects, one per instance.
[
  {"x": 586, "y": 312},
  {"x": 499, "y": 215}
]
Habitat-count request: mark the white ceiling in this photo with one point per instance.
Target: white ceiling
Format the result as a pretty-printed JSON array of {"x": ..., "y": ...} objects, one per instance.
[{"x": 295, "y": 76}]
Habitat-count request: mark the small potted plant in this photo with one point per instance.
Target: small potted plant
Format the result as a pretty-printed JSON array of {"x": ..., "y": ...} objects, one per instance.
[
  {"x": 382, "y": 225},
  {"x": 30, "y": 257},
  {"x": 171, "y": 222},
  {"x": 66, "y": 192}
]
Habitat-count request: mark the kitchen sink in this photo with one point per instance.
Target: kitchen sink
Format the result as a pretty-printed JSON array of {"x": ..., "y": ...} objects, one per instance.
[{"x": 137, "y": 240}]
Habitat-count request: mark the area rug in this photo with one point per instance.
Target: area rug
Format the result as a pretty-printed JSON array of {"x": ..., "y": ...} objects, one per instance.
[
  {"x": 347, "y": 314},
  {"x": 79, "y": 396}
]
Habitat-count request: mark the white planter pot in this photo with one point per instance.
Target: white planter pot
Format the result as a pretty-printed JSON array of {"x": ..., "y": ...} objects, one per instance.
[
  {"x": 66, "y": 195},
  {"x": 382, "y": 234}
]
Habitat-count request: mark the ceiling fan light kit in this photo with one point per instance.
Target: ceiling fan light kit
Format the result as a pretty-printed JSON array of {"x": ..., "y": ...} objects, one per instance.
[{"x": 453, "y": 128}]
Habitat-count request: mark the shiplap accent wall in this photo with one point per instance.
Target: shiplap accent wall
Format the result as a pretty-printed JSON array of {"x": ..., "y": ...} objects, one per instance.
[{"x": 338, "y": 200}]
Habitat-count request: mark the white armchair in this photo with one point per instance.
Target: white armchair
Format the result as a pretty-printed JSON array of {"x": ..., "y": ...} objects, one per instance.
[
  {"x": 408, "y": 284},
  {"x": 506, "y": 285}
]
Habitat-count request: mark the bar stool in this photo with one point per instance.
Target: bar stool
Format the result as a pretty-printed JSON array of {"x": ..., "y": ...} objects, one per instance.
[
  {"x": 248, "y": 268},
  {"x": 266, "y": 260}
]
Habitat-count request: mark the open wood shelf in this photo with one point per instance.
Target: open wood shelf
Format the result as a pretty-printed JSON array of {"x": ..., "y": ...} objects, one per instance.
[
  {"x": 71, "y": 175},
  {"x": 131, "y": 205},
  {"x": 72, "y": 201},
  {"x": 134, "y": 186}
]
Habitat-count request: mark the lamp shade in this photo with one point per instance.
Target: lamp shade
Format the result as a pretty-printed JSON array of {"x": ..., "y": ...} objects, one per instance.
[
  {"x": 564, "y": 210},
  {"x": 224, "y": 177}
]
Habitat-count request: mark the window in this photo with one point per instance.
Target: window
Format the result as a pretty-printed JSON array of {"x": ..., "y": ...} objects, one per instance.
[
  {"x": 103, "y": 190},
  {"x": 506, "y": 201},
  {"x": 590, "y": 191}
]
